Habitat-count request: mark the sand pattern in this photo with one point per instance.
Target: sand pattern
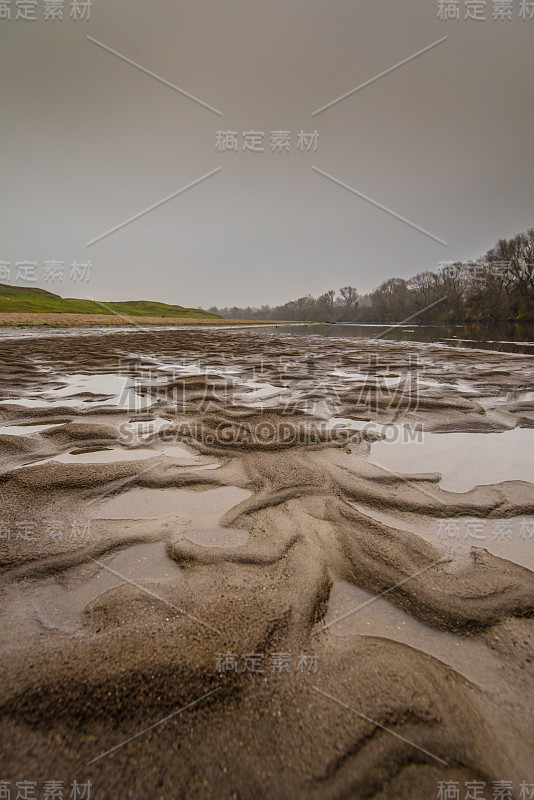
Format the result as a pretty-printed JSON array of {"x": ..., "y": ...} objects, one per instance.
[{"x": 175, "y": 503}]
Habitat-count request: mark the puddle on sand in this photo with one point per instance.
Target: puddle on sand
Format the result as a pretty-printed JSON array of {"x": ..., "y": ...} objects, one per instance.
[
  {"x": 263, "y": 395},
  {"x": 514, "y": 397},
  {"x": 61, "y": 604},
  {"x": 381, "y": 618},
  {"x": 368, "y": 379},
  {"x": 95, "y": 456},
  {"x": 144, "y": 429},
  {"x": 33, "y": 402},
  {"x": 199, "y": 508},
  {"x": 112, "y": 455},
  {"x": 108, "y": 390},
  {"x": 343, "y": 423},
  {"x": 213, "y": 465},
  {"x": 182, "y": 452},
  {"x": 197, "y": 513},
  {"x": 511, "y": 538},
  {"x": 464, "y": 460},
  {"x": 26, "y": 430}
]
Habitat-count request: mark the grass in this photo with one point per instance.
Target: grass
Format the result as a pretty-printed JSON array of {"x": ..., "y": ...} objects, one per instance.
[{"x": 23, "y": 300}]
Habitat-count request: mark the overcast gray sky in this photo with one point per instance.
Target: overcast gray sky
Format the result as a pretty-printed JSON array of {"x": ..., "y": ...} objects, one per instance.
[{"x": 88, "y": 141}]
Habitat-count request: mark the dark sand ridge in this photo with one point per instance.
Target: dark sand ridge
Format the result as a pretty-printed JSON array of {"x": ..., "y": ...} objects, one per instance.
[{"x": 309, "y": 494}]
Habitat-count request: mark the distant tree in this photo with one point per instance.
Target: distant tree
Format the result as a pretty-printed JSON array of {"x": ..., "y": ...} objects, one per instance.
[
  {"x": 492, "y": 293},
  {"x": 325, "y": 305},
  {"x": 349, "y": 296},
  {"x": 390, "y": 300}
]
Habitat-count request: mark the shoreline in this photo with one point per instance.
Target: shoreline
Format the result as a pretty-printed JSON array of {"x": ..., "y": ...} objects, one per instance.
[{"x": 60, "y": 320}]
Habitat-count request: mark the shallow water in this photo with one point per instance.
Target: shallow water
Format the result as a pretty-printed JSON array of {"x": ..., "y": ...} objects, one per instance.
[
  {"x": 298, "y": 536},
  {"x": 201, "y": 508},
  {"x": 510, "y": 538},
  {"x": 25, "y": 430},
  {"x": 504, "y": 338},
  {"x": 354, "y": 612},
  {"x": 61, "y": 603},
  {"x": 108, "y": 389},
  {"x": 111, "y": 456},
  {"x": 465, "y": 460}
]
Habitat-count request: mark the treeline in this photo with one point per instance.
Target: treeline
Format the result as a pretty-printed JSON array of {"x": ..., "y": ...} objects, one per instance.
[
  {"x": 329, "y": 307},
  {"x": 497, "y": 287}
]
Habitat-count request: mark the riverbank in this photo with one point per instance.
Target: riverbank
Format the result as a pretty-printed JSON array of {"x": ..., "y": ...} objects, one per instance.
[{"x": 61, "y": 320}]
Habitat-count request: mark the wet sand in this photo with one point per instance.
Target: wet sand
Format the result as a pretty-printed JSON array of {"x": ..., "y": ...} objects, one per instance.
[{"x": 247, "y": 565}]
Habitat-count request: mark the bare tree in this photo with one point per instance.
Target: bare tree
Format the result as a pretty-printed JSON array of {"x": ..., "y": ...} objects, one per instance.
[{"x": 349, "y": 297}]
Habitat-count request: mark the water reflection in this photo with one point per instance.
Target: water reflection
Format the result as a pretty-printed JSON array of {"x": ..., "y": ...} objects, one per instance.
[{"x": 504, "y": 338}]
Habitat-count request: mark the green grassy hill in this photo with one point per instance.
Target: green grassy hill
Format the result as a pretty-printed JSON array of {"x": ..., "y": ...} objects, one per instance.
[{"x": 25, "y": 300}]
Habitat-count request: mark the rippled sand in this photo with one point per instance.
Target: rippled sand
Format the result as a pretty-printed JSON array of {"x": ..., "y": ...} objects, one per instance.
[{"x": 249, "y": 565}]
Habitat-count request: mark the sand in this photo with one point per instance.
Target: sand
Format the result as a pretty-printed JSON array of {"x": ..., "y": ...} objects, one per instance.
[
  {"x": 82, "y": 320},
  {"x": 201, "y": 621}
]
